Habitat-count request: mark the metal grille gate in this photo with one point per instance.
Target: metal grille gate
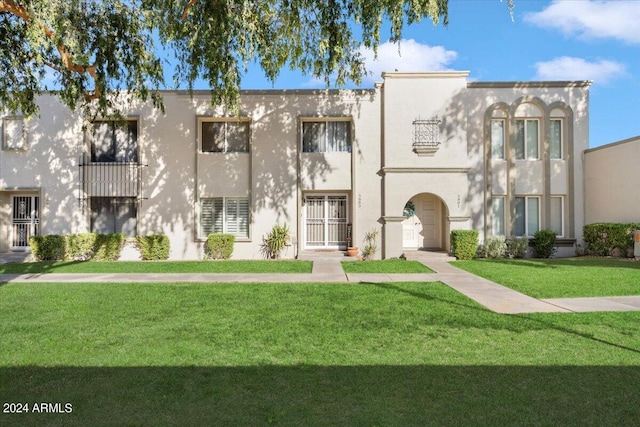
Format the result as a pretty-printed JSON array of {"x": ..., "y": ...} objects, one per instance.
[
  {"x": 325, "y": 222},
  {"x": 25, "y": 220}
]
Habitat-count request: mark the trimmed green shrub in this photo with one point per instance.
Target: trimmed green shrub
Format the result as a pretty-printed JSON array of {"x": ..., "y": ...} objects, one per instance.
[
  {"x": 464, "y": 243},
  {"x": 544, "y": 242},
  {"x": 154, "y": 247},
  {"x": 219, "y": 246},
  {"x": 494, "y": 247},
  {"x": 51, "y": 247},
  {"x": 107, "y": 247},
  {"x": 517, "y": 247},
  {"x": 603, "y": 239},
  {"x": 80, "y": 247}
]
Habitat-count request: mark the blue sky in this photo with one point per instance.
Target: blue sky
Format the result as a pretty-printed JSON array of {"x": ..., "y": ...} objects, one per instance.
[{"x": 546, "y": 40}]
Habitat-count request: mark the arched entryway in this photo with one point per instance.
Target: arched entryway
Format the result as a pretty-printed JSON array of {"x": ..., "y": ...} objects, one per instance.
[{"x": 425, "y": 225}]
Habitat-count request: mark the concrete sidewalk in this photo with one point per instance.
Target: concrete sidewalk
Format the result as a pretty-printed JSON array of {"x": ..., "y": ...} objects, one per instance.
[{"x": 497, "y": 298}]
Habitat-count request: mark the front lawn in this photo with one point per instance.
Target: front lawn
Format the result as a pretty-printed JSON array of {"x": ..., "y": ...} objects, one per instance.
[
  {"x": 561, "y": 277},
  {"x": 308, "y": 354},
  {"x": 228, "y": 266},
  {"x": 385, "y": 266}
]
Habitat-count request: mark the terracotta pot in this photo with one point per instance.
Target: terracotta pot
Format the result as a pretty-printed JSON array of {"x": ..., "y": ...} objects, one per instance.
[{"x": 352, "y": 251}]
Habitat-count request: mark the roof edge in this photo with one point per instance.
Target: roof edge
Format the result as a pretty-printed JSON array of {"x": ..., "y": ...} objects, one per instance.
[
  {"x": 613, "y": 144},
  {"x": 530, "y": 84}
]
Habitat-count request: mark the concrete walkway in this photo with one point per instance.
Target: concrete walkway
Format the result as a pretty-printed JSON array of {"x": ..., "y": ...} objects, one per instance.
[{"x": 495, "y": 297}]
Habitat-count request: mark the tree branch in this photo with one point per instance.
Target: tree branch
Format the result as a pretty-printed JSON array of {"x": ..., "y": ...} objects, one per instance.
[
  {"x": 65, "y": 56},
  {"x": 187, "y": 7}
]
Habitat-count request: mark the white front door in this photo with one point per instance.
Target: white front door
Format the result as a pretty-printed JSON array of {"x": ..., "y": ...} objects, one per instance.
[
  {"x": 325, "y": 221},
  {"x": 422, "y": 230},
  {"x": 25, "y": 221}
]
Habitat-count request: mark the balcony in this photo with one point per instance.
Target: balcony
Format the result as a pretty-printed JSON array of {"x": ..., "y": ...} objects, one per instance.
[{"x": 109, "y": 179}]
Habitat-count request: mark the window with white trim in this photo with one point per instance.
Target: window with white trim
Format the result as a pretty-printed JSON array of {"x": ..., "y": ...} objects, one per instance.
[
  {"x": 556, "y": 222},
  {"x": 527, "y": 220},
  {"x": 224, "y": 215},
  {"x": 231, "y": 136},
  {"x": 326, "y": 136},
  {"x": 497, "y": 216},
  {"x": 497, "y": 139},
  {"x": 14, "y": 134},
  {"x": 555, "y": 139},
  {"x": 527, "y": 143},
  {"x": 114, "y": 141}
]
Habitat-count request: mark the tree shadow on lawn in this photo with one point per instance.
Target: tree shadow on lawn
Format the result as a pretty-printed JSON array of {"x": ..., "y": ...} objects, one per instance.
[{"x": 326, "y": 395}]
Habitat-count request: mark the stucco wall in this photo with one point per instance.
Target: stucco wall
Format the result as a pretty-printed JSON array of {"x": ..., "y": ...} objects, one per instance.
[
  {"x": 612, "y": 174},
  {"x": 380, "y": 174}
]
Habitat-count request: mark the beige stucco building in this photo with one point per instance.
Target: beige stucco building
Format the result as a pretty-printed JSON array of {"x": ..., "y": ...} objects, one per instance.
[{"x": 415, "y": 157}]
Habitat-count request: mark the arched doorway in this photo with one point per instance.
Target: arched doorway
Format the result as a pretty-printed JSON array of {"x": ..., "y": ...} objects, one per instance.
[{"x": 424, "y": 226}]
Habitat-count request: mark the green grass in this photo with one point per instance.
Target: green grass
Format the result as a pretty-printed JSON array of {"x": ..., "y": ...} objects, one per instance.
[
  {"x": 308, "y": 354},
  {"x": 385, "y": 266},
  {"x": 562, "y": 277},
  {"x": 260, "y": 266}
]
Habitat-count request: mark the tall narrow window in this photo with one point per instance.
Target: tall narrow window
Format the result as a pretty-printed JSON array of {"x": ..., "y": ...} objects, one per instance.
[
  {"x": 497, "y": 216},
  {"x": 527, "y": 140},
  {"x": 556, "y": 222},
  {"x": 225, "y": 137},
  {"x": 113, "y": 141},
  {"x": 224, "y": 215},
  {"x": 527, "y": 220},
  {"x": 555, "y": 142},
  {"x": 497, "y": 139},
  {"x": 326, "y": 136}
]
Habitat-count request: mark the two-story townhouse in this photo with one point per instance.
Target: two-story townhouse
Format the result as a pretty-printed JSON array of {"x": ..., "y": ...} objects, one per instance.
[{"x": 415, "y": 157}]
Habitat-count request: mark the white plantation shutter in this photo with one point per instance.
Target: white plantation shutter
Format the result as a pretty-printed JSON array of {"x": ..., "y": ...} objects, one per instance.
[
  {"x": 243, "y": 218},
  {"x": 211, "y": 216},
  {"x": 220, "y": 215}
]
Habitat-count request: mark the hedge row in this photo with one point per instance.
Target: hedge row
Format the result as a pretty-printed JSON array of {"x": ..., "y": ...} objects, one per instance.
[
  {"x": 97, "y": 247},
  {"x": 605, "y": 239}
]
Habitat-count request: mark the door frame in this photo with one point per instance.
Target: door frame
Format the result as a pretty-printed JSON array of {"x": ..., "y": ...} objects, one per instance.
[
  {"x": 326, "y": 196},
  {"x": 440, "y": 213},
  {"x": 34, "y": 220}
]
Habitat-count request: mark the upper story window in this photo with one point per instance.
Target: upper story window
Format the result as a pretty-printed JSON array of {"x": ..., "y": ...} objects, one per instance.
[
  {"x": 497, "y": 139},
  {"x": 326, "y": 136},
  {"x": 231, "y": 136},
  {"x": 555, "y": 138},
  {"x": 114, "y": 141},
  {"x": 527, "y": 142},
  {"x": 14, "y": 135}
]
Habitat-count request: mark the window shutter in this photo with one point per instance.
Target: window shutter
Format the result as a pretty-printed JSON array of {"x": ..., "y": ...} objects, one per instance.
[
  {"x": 243, "y": 217},
  {"x": 210, "y": 216},
  {"x": 232, "y": 216}
]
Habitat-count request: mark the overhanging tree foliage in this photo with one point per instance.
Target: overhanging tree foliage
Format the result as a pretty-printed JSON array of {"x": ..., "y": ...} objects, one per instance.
[{"x": 93, "y": 52}]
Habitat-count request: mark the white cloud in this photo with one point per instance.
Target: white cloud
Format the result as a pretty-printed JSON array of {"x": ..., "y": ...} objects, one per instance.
[
  {"x": 592, "y": 19},
  {"x": 408, "y": 55},
  {"x": 571, "y": 68}
]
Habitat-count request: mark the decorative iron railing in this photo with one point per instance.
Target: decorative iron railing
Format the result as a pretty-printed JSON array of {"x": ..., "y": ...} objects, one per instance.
[
  {"x": 109, "y": 179},
  {"x": 426, "y": 136}
]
